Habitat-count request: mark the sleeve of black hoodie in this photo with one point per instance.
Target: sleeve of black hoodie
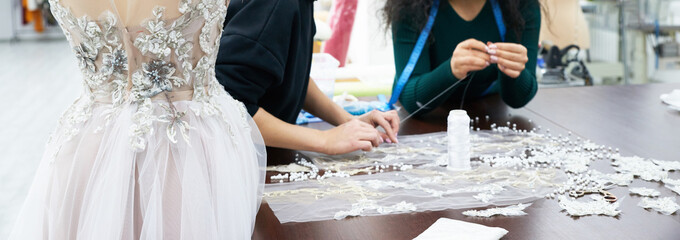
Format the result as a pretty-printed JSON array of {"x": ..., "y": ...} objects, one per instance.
[{"x": 253, "y": 49}]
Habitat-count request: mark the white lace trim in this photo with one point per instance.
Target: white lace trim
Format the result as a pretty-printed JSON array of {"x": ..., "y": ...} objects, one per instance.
[
  {"x": 363, "y": 205},
  {"x": 665, "y": 205},
  {"x": 645, "y": 192},
  {"x": 513, "y": 210},
  {"x": 597, "y": 206}
]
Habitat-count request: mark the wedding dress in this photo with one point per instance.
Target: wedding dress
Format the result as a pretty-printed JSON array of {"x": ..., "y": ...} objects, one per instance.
[{"x": 154, "y": 148}]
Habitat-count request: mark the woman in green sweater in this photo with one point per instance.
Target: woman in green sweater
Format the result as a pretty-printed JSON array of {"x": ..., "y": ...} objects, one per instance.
[{"x": 465, "y": 38}]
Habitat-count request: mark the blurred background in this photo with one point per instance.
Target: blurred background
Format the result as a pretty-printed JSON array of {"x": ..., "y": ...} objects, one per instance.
[{"x": 607, "y": 42}]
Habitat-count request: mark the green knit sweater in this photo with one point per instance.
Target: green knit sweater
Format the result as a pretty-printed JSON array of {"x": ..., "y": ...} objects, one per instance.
[{"x": 432, "y": 73}]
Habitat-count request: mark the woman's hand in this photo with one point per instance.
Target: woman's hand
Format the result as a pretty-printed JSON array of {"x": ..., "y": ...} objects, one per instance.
[
  {"x": 389, "y": 121},
  {"x": 349, "y": 137},
  {"x": 510, "y": 57},
  {"x": 470, "y": 55}
]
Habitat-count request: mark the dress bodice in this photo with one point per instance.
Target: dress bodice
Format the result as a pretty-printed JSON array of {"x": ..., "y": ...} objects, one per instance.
[
  {"x": 145, "y": 56},
  {"x": 136, "y": 50}
]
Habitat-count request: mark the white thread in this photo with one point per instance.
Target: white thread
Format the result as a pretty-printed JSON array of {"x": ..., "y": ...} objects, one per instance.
[{"x": 459, "y": 140}]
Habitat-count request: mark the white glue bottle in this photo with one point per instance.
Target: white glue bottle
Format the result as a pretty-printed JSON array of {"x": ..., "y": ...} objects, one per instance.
[{"x": 458, "y": 131}]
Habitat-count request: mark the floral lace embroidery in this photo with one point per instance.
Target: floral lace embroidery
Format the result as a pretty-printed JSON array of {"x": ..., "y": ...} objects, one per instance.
[
  {"x": 157, "y": 76},
  {"x": 94, "y": 40},
  {"x": 104, "y": 64}
]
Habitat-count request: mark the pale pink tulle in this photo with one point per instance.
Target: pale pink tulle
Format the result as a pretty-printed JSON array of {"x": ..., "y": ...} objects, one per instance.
[{"x": 97, "y": 187}]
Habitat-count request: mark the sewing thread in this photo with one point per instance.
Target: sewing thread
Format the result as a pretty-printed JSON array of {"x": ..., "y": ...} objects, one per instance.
[{"x": 458, "y": 131}]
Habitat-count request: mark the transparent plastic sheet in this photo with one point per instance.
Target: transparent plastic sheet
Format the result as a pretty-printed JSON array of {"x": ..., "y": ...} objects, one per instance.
[{"x": 408, "y": 177}]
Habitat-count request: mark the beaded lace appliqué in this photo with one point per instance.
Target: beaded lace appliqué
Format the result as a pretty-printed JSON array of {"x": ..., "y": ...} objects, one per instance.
[
  {"x": 104, "y": 65},
  {"x": 96, "y": 38}
]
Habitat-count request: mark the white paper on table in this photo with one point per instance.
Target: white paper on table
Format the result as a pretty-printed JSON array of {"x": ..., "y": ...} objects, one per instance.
[
  {"x": 672, "y": 99},
  {"x": 445, "y": 228}
]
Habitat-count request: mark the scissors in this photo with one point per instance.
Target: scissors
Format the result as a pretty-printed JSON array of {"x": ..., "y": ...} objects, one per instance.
[{"x": 609, "y": 197}]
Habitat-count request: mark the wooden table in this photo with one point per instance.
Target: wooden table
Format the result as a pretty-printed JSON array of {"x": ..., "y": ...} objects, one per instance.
[{"x": 631, "y": 118}]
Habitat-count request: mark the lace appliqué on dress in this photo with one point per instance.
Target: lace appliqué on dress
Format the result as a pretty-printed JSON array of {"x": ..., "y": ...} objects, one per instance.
[
  {"x": 104, "y": 64},
  {"x": 162, "y": 40},
  {"x": 97, "y": 38}
]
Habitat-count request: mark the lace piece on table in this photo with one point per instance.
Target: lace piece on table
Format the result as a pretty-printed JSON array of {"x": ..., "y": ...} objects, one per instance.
[
  {"x": 363, "y": 205},
  {"x": 671, "y": 181},
  {"x": 664, "y": 205},
  {"x": 288, "y": 168},
  {"x": 640, "y": 167},
  {"x": 485, "y": 197},
  {"x": 513, "y": 210},
  {"x": 645, "y": 192},
  {"x": 597, "y": 206},
  {"x": 414, "y": 168},
  {"x": 404, "y": 176},
  {"x": 673, "y": 188},
  {"x": 667, "y": 165}
]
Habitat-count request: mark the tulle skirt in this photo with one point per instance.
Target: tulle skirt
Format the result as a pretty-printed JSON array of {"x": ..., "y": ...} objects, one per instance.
[{"x": 93, "y": 185}]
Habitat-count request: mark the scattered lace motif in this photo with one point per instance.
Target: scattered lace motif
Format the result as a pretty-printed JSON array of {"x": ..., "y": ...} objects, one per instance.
[
  {"x": 510, "y": 154},
  {"x": 417, "y": 184},
  {"x": 645, "y": 169},
  {"x": 485, "y": 197},
  {"x": 365, "y": 205},
  {"x": 673, "y": 188},
  {"x": 621, "y": 179},
  {"x": 288, "y": 168},
  {"x": 598, "y": 206},
  {"x": 665, "y": 205},
  {"x": 514, "y": 210},
  {"x": 645, "y": 192},
  {"x": 667, "y": 165}
]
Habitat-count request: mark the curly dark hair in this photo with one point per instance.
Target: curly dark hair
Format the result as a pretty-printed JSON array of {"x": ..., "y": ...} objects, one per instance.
[{"x": 417, "y": 11}]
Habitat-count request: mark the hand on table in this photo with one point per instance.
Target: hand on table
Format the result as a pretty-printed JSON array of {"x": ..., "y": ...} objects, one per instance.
[
  {"x": 510, "y": 57},
  {"x": 361, "y": 133},
  {"x": 349, "y": 137},
  {"x": 469, "y": 56},
  {"x": 389, "y": 121}
]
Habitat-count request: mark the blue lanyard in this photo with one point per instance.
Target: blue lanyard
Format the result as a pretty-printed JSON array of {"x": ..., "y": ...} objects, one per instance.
[
  {"x": 420, "y": 44},
  {"x": 498, "y": 15}
]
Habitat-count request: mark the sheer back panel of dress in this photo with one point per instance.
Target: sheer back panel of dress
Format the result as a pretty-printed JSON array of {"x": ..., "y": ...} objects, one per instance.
[{"x": 142, "y": 47}]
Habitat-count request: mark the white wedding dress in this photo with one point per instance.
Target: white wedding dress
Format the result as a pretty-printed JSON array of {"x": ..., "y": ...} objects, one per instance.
[{"x": 154, "y": 148}]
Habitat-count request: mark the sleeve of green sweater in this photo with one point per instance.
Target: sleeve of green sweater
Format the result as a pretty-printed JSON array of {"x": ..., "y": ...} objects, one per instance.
[
  {"x": 425, "y": 83},
  {"x": 517, "y": 92}
]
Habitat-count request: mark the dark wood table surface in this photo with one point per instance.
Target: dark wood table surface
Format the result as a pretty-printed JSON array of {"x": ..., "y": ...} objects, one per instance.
[{"x": 630, "y": 118}]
